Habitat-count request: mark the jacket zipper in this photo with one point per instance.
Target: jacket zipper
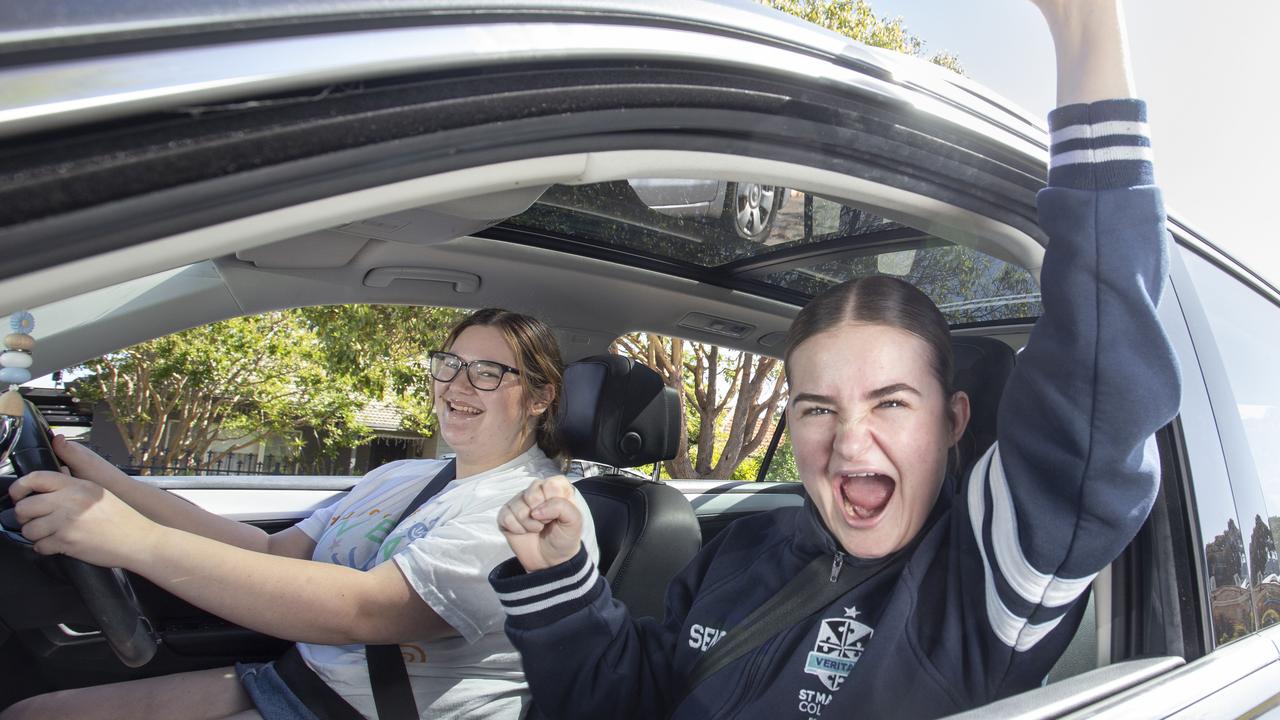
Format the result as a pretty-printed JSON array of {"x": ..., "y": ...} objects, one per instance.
[{"x": 836, "y": 565}]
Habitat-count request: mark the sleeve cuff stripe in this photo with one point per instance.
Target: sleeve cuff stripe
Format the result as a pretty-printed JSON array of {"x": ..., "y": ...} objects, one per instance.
[
  {"x": 1100, "y": 155},
  {"x": 515, "y": 596},
  {"x": 567, "y": 596},
  {"x": 1099, "y": 143},
  {"x": 1122, "y": 109},
  {"x": 1100, "y": 129}
]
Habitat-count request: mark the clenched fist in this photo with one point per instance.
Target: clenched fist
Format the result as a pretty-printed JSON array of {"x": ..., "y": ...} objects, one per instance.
[{"x": 542, "y": 525}]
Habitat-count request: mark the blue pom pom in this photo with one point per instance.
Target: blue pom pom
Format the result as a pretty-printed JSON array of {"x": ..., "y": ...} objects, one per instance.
[{"x": 22, "y": 322}]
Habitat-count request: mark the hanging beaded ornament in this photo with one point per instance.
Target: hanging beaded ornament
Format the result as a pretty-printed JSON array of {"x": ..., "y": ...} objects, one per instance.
[{"x": 15, "y": 362}]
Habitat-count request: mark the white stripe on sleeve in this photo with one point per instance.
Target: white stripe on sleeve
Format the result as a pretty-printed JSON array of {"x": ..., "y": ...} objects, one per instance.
[
  {"x": 1101, "y": 129},
  {"x": 514, "y": 596},
  {"x": 1012, "y": 629},
  {"x": 563, "y": 597},
  {"x": 1034, "y": 586},
  {"x": 1100, "y": 155}
]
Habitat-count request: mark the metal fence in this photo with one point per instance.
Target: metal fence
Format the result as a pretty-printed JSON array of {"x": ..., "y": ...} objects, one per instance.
[{"x": 238, "y": 464}]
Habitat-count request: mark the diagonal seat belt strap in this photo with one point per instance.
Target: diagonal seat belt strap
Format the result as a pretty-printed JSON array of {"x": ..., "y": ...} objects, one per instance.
[
  {"x": 388, "y": 677},
  {"x": 811, "y": 590}
]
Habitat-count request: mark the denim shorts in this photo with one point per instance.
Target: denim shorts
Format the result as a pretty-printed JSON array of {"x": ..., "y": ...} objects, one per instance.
[{"x": 272, "y": 698}]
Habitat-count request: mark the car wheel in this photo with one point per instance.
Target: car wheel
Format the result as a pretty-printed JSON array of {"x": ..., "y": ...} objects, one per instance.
[{"x": 750, "y": 208}]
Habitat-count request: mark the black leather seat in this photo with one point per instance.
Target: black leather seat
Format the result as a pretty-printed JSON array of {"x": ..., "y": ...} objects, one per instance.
[
  {"x": 618, "y": 412},
  {"x": 982, "y": 366}
]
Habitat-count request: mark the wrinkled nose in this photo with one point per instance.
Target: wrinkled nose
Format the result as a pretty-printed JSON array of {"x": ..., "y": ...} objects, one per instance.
[{"x": 852, "y": 439}]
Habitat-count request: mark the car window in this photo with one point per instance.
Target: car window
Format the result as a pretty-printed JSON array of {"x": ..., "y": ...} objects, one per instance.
[
  {"x": 330, "y": 390},
  {"x": 779, "y": 239},
  {"x": 1246, "y": 329}
]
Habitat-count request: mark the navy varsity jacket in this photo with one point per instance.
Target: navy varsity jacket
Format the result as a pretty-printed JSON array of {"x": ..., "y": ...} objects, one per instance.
[{"x": 988, "y": 596}]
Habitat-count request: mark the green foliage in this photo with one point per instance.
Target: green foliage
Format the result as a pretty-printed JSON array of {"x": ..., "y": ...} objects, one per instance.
[
  {"x": 783, "y": 466},
  {"x": 382, "y": 350},
  {"x": 747, "y": 469},
  {"x": 855, "y": 19},
  {"x": 245, "y": 379}
]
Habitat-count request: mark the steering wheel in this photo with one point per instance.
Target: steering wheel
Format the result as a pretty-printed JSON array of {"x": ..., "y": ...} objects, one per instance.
[{"x": 105, "y": 591}]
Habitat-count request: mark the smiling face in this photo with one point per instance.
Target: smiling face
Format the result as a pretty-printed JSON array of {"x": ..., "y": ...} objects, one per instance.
[
  {"x": 870, "y": 427},
  {"x": 485, "y": 427}
]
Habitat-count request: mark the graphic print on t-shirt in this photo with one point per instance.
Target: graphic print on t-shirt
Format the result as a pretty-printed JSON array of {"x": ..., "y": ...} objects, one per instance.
[{"x": 364, "y": 536}]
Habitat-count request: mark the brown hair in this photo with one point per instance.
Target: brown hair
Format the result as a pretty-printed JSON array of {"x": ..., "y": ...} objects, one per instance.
[
  {"x": 537, "y": 358},
  {"x": 878, "y": 300}
]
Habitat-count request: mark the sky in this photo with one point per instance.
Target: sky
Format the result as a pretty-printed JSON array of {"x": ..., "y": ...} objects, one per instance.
[{"x": 1207, "y": 72}]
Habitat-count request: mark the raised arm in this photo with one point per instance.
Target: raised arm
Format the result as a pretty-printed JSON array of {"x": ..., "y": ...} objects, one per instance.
[
  {"x": 1075, "y": 471},
  {"x": 1090, "y": 44}
]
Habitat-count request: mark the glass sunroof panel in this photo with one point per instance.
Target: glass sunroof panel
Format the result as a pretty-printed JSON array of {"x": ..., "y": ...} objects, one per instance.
[
  {"x": 968, "y": 286},
  {"x": 795, "y": 241},
  {"x": 701, "y": 222}
]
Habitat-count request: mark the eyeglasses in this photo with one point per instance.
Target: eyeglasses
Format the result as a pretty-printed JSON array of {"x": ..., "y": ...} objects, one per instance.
[{"x": 483, "y": 374}]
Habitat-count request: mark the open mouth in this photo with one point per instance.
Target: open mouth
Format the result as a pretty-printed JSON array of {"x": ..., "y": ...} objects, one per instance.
[{"x": 864, "y": 497}]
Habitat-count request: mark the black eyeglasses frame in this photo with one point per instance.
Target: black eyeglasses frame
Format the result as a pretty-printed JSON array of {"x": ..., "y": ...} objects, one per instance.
[{"x": 464, "y": 365}]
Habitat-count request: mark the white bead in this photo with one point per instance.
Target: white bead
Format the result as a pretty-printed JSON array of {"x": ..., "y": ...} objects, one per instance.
[
  {"x": 14, "y": 375},
  {"x": 15, "y": 359}
]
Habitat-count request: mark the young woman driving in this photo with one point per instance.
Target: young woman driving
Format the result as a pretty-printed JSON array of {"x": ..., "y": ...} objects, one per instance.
[
  {"x": 966, "y": 595},
  {"x": 326, "y": 583}
]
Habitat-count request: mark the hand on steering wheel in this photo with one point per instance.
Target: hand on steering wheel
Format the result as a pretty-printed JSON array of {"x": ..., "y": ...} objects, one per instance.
[{"x": 75, "y": 510}]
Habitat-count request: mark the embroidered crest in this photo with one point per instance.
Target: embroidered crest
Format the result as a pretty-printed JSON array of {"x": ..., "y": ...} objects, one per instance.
[{"x": 839, "y": 645}]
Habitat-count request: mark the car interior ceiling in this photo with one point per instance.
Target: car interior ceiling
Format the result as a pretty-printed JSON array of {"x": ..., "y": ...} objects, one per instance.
[{"x": 404, "y": 229}]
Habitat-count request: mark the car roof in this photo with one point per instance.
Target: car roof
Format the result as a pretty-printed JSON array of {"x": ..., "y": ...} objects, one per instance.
[{"x": 63, "y": 30}]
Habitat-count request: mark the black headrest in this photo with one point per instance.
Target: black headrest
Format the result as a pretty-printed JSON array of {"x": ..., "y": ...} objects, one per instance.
[
  {"x": 618, "y": 412},
  {"x": 982, "y": 367}
]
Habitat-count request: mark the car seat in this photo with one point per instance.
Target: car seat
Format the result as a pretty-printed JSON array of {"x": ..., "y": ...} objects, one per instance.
[
  {"x": 982, "y": 367},
  {"x": 620, "y": 413}
]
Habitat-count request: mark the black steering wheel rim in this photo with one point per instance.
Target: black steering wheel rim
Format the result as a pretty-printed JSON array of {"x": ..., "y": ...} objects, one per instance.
[{"x": 106, "y": 592}]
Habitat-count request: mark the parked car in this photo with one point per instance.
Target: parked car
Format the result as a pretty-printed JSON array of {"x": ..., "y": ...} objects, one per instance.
[
  {"x": 746, "y": 208},
  {"x": 167, "y": 165}
]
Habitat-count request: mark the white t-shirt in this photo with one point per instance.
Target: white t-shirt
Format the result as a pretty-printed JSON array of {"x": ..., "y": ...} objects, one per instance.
[{"x": 446, "y": 550}]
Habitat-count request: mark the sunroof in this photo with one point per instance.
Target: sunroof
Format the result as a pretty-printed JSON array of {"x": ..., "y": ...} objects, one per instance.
[{"x": 796, "y": 242}]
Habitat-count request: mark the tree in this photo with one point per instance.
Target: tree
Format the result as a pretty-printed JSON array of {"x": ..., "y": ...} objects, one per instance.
[
  {"x": 855, "y": 19},
  {"x": 241, "y": 380},
  {"x": 384, "y": 349},
  {"x": 1262, "y": 551}
]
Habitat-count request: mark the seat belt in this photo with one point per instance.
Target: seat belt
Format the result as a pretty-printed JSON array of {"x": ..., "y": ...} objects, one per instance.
[
  {"x": 388, "y": 677},
  {"x": 815, "y": 587}
]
